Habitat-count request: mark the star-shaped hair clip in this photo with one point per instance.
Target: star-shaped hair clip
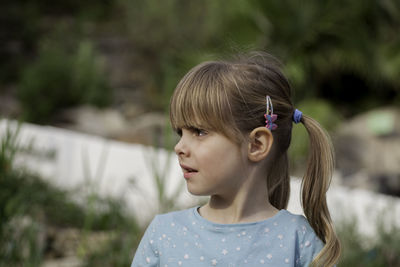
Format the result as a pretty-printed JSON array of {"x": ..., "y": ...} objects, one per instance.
[{"x": 269, "y": 115}]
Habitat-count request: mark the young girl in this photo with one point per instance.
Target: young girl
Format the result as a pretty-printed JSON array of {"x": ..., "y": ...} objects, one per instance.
[{"x": 235, "y": 122}]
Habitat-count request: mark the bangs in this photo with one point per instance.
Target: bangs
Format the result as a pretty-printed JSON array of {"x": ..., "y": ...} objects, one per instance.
[{"x": 200, "y": 100}]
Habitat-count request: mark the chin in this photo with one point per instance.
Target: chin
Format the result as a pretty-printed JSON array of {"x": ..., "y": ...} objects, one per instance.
[{"x": 197, "y": 192}]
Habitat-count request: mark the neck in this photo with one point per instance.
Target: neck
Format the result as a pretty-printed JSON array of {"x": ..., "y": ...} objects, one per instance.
[{"x": 247, "y": 204}]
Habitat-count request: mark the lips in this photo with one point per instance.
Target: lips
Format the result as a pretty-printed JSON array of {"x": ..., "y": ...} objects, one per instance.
[
  {"x": 187, "y": 168},
  {"x": 188, "y": 172}
]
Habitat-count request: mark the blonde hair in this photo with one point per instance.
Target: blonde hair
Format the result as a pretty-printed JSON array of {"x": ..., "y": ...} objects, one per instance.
[{"x": 229, "y": 97}]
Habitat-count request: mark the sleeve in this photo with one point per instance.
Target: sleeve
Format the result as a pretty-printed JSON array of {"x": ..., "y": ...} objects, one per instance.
[
  {"x": 147, "y": 252},
  {"x": 309, "y": 245},
  {"x": 309, "y": 250}
]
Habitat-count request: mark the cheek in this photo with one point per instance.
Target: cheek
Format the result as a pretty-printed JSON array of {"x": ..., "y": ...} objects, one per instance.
[{"x": 223, "y": 161}]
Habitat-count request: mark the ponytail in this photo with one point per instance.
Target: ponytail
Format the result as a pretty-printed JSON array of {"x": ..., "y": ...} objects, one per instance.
[{"x": 315, "y": 184}]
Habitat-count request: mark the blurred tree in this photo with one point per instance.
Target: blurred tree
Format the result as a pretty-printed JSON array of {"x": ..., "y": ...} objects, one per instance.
[
  {"x": 173, "y": 35},
  {"x": 24, "y": 23},
  {"x": 335, "y": 49},
  {"x": 60, "y": 78},
  {"x": 346, "y": 52},
  {"x": 17, "y": 37}
]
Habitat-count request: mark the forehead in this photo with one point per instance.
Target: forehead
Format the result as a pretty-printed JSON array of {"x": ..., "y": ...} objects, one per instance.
[
  {"x": 201, "y": 100},
  {"x": 195, "y": 112}
]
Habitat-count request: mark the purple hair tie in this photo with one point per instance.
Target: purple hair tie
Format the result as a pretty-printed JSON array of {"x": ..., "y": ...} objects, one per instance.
[{"x": 297, "y": 116}]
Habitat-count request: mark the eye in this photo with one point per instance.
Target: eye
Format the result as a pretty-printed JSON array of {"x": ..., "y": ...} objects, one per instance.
[
  {"x": 179, "y": 132},
  {"x": 199, "y": 132}
]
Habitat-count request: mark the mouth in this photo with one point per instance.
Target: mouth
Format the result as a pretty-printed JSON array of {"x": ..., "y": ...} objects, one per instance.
[
  {"x": 187, "y": 169},
  {"x": 188, "y": 172}
]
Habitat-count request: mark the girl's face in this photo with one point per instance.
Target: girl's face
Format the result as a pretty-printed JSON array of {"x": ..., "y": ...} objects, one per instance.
[{"x": 211, "y": 163}]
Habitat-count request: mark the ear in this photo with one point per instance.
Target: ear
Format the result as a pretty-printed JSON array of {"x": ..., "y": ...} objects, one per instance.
[{"x": 260, "y": 143}]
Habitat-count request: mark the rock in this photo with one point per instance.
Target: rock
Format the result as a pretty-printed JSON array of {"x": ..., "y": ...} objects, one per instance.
[
  {"x": 92, "y": 120},
  {"x": 368, "y": 151},
  {"x": 63, "y": 262},
  {"x": 62, "y": 243},
  {"x": 137, "y": 127},
  {"x": 64, "y": 246},
  {"x": 9, "y": 105},
  {"x": 147, "y": 129}
]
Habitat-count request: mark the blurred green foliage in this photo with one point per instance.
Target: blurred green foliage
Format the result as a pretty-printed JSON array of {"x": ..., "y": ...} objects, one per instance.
[
  {"x": 30, "y": 205},
  {"x": 174, "y": 35},
  {"x": 333, "y": 50},
  {"x": 118, "y": 251},
  {"x": 25, "y": 23},
  {"x": 346, "y": 53},
  {"x": 59, "y": 79},
  {"x": 359, "y": 251}
]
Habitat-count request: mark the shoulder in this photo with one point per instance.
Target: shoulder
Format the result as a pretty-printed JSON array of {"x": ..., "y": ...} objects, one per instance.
[
  {"x": 164, "y": 224},
  {"x": 296, "y": 223},
  {"x": 157, "y": 236},
  {"x": 307, "y": 243},
  {"x": 179, "y": 215},
  {"x": 172, "y": 219}
]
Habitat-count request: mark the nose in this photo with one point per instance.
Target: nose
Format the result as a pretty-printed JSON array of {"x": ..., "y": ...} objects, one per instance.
[{"x": 181, "y": 148}]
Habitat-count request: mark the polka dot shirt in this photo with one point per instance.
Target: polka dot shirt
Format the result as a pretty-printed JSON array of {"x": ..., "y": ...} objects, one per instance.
[{"x": 184, "y": 238}]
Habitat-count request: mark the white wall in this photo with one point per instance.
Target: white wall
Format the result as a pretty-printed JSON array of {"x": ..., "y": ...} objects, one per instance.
[{"x": 125, "y": 170}]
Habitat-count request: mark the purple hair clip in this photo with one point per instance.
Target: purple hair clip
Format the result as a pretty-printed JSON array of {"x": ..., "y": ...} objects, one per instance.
[{"x": 269, "y": 115}]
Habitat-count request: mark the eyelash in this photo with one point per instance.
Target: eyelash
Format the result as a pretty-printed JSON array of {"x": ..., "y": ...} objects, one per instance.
[
  {"x": 199, "y": 132},
  {"x": 196, "y": 131}
]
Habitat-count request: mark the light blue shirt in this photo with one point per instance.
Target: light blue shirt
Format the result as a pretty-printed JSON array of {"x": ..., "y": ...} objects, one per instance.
[{"x": 184, "y": 238}]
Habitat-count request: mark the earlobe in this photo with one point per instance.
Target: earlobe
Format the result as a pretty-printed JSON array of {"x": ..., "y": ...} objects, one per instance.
[{"x": 260, "y": 143}]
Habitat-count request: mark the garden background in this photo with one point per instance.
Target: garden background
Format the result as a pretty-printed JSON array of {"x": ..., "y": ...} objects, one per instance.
[{"x": 107, "y": 68}]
